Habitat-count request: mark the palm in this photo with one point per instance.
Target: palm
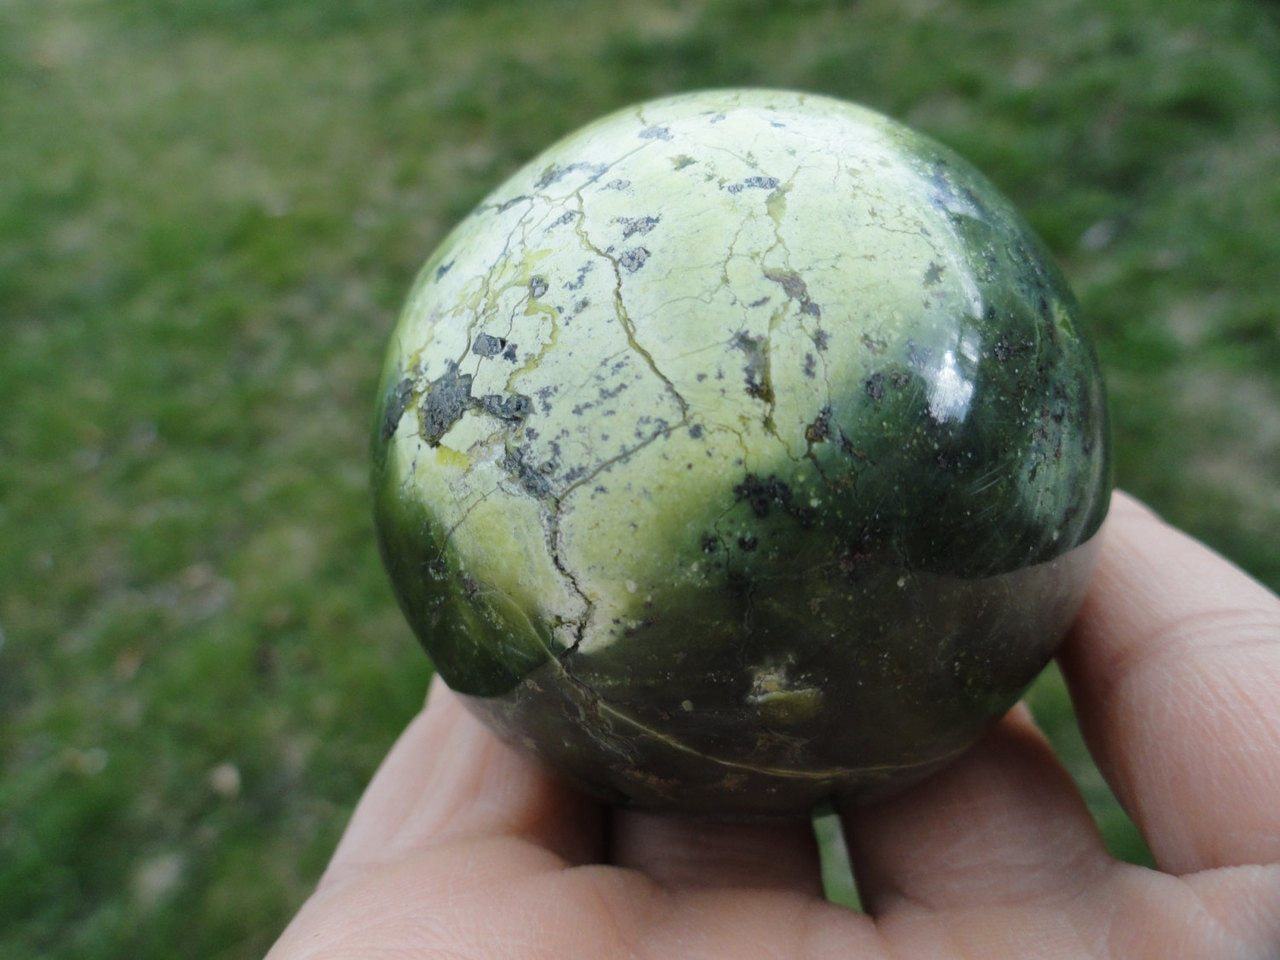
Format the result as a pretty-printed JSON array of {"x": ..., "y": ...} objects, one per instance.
[{"x": 462, "y": 849}]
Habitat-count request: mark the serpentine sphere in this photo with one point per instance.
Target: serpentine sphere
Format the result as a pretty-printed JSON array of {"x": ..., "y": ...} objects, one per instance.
[{"x": 742, "y": 450}]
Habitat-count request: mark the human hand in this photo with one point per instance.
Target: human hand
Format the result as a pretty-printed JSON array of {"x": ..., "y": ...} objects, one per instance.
[{"x": 463, "y": 849}]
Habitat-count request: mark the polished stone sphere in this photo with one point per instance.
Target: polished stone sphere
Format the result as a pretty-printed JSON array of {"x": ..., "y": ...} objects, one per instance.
[{"x": 741, "y": 451}]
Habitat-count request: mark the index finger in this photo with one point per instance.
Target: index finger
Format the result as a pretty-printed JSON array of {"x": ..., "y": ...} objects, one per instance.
[{"x": 1174, "y": 666}]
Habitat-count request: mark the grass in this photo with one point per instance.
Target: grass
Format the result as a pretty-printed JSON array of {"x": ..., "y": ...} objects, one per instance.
[{"x": 209, "y": 212}]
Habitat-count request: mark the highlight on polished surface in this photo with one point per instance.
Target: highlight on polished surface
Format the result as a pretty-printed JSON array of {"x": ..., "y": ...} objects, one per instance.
[{"x": 742, "y": 450}]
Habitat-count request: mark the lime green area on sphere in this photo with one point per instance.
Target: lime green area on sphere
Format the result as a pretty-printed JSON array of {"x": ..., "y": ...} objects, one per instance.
[{"x": 740, "y": 451}]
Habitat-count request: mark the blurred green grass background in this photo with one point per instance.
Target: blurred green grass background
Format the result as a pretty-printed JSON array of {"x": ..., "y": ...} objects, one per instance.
[{"x": 209, "y": 213}]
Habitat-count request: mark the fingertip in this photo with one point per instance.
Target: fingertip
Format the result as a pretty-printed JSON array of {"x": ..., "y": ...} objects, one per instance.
[{"x": 1173, "y": 665}]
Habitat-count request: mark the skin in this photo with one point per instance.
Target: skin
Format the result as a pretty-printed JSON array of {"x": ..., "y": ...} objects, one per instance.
[
  {"x": 463, "y": 848},
  {"x": 741, "y": 450}
]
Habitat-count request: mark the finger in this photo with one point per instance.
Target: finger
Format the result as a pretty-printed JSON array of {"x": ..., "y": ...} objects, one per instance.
[
  {"x": 1002, "y": 825},
  {"x": 1174, "y": 666},
  {"x": 447, "y": 777},
  {"x": 685, "y": 852}
]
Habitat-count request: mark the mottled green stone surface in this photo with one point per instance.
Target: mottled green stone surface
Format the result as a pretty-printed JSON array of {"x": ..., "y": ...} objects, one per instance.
[{"x": 741, "y": 450}]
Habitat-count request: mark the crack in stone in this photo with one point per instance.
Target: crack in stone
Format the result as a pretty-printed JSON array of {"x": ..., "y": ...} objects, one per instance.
[
  {"x": 564, "y": 664},
  {"x": 775, "y": 207},
  {"x": 626, "y": 454},
  {"x": 742, "y": 443},
  {"x": 620, "y": 309},
  {"x": 552, "y": 532},
  {"x": 877, "y": 218},
  {"x": 523, "y": 473},
  {"x": 577, "y": 191},
  {"x": 746, "y": 161},
  {"x": 535, "y": 360},
  {"x": 795, "y": 290},
  {"x": 557, "y": 512},
  {"x": 444, "y": 545},
  {"x": 532, "y": 483},
  {"x": 481, "y": 302}
]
